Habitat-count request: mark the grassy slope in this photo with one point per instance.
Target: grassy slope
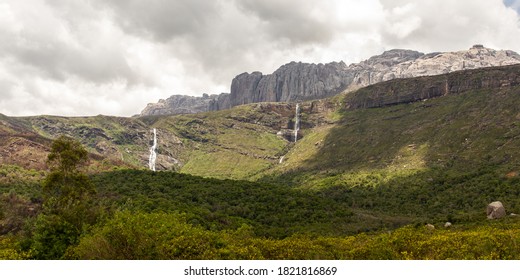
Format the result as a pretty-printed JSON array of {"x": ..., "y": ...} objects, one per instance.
[
  {"x": 234, "y": 144},
  {"x": 432, "y": 161},
  {"x": 443, "y": 158}
]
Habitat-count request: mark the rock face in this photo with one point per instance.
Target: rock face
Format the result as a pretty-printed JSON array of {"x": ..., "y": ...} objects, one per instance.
[
  {"x": 180, "y": 104},
  {"x": 495, "y": 210},
  {"x": 294, "y": 81},
  {"x": 421, "y": 88},
  {"x": 413, "y": 64},
  {"x": 298, "y": 81}
]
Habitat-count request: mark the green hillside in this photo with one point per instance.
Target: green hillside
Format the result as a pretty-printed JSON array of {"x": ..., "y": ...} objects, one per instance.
[{"x": 365, "y": 163}]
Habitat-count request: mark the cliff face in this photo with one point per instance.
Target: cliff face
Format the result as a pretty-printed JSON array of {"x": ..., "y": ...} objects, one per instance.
[
  {"x": 421, "y": 88},
  {"x": 303, "y": 81},
  {"x": 180, "y": 104},
  {"x": 291, "y": 82},
  {"x": 375, "y": 70}
]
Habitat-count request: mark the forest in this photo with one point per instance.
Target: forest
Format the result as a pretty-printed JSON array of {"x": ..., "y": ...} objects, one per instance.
[{"x": 65, "y": 213}]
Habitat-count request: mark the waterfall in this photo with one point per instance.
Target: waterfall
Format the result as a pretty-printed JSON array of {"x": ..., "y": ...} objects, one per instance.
[
  {"x": 153, "y": 155},
  {"x": 297, "y": 122}
]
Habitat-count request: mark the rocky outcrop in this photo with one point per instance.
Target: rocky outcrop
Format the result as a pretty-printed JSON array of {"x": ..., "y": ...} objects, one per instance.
[
  {"x": 181, "y": 104},
  {"x": 297, "y": 81},
  {"x": 413, "y": 64},
  {"x": 495, "y": 210},
  {"x": 220, "y": 102},
  {"x": 294, "y": 81},
  {"x": 410, "y": 90}
]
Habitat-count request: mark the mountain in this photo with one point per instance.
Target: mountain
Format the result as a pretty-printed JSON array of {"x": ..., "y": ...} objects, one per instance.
[
  {"x": 303, "y": 81},
  {"x": 407, "y": 151},
  {"x": 248, "y": 141},
  {"x": 184, "y": 104}
]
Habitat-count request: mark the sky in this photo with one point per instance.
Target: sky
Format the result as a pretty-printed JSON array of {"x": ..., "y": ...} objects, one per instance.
[{"x": 112, "y": 57}]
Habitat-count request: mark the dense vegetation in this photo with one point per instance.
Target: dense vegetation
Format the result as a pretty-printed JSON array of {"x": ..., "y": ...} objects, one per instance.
[
  {"x": 360, "y": 184},
  {"x": 166, "y": 215},
  {"x": 169, "y": 236}
]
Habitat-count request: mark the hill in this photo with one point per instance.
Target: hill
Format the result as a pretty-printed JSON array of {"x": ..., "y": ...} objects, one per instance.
[
  {"x": 430, "y": 132},
  {"x": 402, "y": 152},
  {"x": 432, "y": 120}
]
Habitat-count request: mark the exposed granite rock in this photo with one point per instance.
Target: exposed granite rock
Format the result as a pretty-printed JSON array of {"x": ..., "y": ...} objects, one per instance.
[
  {"x": 298, "y": 81},
  {"x": 376, "y": 69},
  {"x": 220, "y": 102},
  {"x": 495, "y": 210},
  {"x": 406, "y": 91},
  {"x": 180, "y": 104},
  {"x": 294, "y": 81}
]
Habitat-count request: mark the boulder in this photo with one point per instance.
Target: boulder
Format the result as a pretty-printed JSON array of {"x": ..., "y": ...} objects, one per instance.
[
  {"x": 495, "y": 210},
  {"x": 447, "y": 225},
  {"x": 430, "y": 226}
]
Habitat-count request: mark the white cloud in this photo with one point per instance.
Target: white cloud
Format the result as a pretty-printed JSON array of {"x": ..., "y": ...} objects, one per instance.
[{"x": 115, "y": 56}]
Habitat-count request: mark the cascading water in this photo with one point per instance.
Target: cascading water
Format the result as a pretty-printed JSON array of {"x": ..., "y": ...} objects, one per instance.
[
  {"x": 297, "y": 122},
  {"x": 153, "y": 154}
]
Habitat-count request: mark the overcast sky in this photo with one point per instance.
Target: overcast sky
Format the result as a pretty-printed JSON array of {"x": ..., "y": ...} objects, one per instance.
[{"x": 112, "y": 57}]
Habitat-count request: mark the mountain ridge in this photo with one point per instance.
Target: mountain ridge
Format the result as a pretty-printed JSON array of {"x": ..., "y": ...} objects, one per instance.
[
  {"x": 242, "y": 141},
  {"x": 297, "y": 81}
]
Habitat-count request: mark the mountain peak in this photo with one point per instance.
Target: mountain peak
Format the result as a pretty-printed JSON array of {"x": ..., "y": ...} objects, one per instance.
[{"x": 298, "y": 81}]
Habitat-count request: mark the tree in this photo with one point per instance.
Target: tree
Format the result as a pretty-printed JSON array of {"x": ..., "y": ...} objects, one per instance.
[
  {"x": 68, "y": 208},
  {"x": 66, "y": 184}
]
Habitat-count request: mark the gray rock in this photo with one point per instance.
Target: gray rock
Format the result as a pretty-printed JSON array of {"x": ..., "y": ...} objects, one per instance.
[
  {"x": 447, "y": 225},
  {"x": 297, "y": 81},
  {"x": 495, "y": 210},
  {"x": 294, "y": 81},
  {"x": 181, "y": 104},
  {"x": 396, "y": 92}
]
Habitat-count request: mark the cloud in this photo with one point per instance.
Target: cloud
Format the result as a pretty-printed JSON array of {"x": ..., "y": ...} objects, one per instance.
[
  {"x": 441, "y": 25},
  {"x": 514, "y": 4},
  {"x": 50, "y": 45},
  {"x": 164, "y": 20},
  {"x": 90, "y": 57}
]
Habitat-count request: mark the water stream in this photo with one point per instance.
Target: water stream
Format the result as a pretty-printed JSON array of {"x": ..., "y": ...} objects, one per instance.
[
  {"x": 297, "y": 122},
  {"x": 153, "y": 154}
]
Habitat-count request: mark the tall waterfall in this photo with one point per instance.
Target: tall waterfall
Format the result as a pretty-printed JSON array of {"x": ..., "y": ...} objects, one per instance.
[
  {"x": 153, "y": 155},
  {"x": 297, "y": 122}
]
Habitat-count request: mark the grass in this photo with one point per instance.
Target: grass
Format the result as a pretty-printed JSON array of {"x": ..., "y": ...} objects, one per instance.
[
  {"x": 223, "y": 164},
  {"x": 461, "y": 132}
]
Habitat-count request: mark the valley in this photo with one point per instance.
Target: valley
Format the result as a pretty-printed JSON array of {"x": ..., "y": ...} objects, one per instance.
[{"x": 369, "y": 166}]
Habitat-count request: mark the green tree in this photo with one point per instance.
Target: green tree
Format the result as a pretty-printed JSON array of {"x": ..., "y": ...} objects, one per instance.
[
  {"x": 68, "y": 208},
  {"x": 66, "y": 181}
]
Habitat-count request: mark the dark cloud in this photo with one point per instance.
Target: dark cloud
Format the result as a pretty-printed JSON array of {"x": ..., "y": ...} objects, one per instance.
[
  {"x": 59, "y": 61},
  {"x": 164, "y": 20},
  {"x": 291, "y": 20},
  {"x": 57, "y": 50}
]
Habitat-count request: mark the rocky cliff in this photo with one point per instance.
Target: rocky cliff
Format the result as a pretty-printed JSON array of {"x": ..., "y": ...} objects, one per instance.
[
  {"x": 179, "y": 104},
  {"x": 298, "y": 81},
  {"x": 400, "y": 91},
  {"x": 377, "y": 69}
]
